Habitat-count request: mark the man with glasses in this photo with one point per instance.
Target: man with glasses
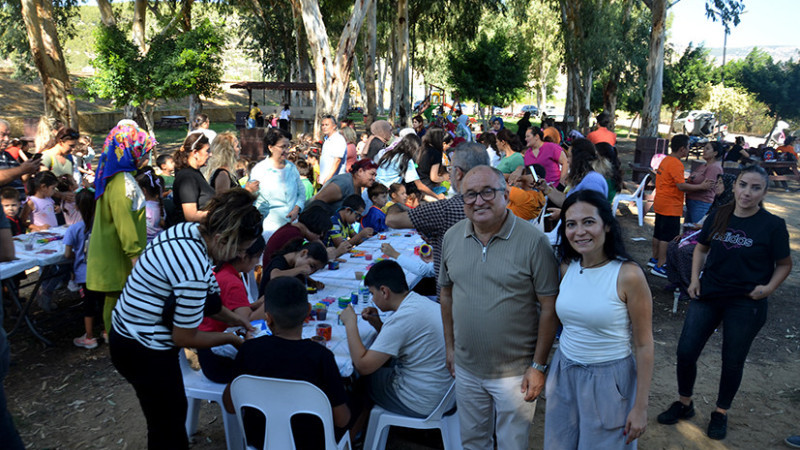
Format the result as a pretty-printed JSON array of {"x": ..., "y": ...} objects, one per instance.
[
  {"x": 432, "y": 220},
  {"x": 495, "y": 268},
  {"x": 11, "y": 171},
  {"x": 334, "y": 151}
]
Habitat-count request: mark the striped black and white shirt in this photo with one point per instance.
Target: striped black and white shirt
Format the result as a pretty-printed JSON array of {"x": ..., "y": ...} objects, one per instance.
[{"x": 175, "y": 263}]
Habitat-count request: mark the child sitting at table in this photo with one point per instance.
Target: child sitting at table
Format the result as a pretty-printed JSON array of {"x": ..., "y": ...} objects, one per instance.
[
  {"x": 286, "y": 355},
  {"x": 75, "y": 247},
  {"x": 375, "y": 218},
  {"x": 342, "y": 229},
  {"x": 39, "y": 212},
  {"x": 234, "y": 297},
  {"x": 296, "y": 260},
  {"x": 524, "y": 201},
  {"x": 397, "y": 199},
  {"x": 10, "y": 200}
]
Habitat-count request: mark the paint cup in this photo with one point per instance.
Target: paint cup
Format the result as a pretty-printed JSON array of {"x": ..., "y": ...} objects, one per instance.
[
  {"x": 344, "y": 302},
  {"x": 333, "y": 265},
  {"x": 324, "y": 330},
  {"x": 425, "y": 250},
  {"x": 416, "y": 250},
  {"x": 368, "y": 256},
  {"x": 359, "y": 275},
  {"x": 29, "y": 243},
  {"x": 322, "y": 313},
  {"x": 318, "y": 339}
]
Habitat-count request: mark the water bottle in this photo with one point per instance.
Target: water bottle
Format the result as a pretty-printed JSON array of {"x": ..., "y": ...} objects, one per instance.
[{"x": 363, "y": 293}]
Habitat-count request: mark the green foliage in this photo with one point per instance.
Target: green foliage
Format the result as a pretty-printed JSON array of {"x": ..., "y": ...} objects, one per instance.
[
  {"x": 14, "y": 39},
  {"x": 492, "y": 70},
  {"x": 687, "y": 80},
  {"x": 725, "y": 11},
  {"x": 174, "y": 67},
  {"x": 739, "y": 109},
  {"x": 774, "y": 84}
]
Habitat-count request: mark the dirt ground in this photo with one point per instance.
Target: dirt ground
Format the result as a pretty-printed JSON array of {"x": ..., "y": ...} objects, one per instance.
[{"x": 64, "y": 397}]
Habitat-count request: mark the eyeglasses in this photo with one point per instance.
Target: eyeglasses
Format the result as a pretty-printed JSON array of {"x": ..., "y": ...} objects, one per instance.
[
  {"x": 487, "y": 195},
  {"x": 356, "y": 214}
]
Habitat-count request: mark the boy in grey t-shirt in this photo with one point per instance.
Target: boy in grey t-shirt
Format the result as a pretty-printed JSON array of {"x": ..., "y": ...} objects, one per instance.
[{"x": 412, "y": 338}]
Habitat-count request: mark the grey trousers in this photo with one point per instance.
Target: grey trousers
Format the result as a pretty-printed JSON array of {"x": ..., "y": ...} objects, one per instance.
[{"x": 588, "y": 405}]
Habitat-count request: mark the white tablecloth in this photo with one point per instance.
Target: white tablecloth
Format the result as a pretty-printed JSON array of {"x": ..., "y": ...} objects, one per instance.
[{"x": 43, "y": 254}]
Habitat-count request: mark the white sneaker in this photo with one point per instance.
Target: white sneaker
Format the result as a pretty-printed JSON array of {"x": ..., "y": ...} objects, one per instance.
[{"x": 72, "y": 286}]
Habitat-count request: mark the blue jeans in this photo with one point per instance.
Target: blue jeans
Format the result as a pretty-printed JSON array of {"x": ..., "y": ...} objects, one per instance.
[
  {"x": 251, "y": 123},
  {"x": 695, "y": 210},
  {"x": 741, "y": 319}
]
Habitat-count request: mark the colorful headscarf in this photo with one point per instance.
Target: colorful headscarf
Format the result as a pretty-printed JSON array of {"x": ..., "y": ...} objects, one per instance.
[{"x": 124, "y": 147}]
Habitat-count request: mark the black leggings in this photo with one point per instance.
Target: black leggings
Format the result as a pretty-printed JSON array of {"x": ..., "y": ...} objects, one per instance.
[
  {"x": 156, "y": 377},
  {"x": 741, "y": 320}
]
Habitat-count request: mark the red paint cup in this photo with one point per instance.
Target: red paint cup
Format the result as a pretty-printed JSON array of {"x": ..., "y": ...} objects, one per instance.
[
  {"x": 324, "y": 330},
  {"x": 368, "y": 256}
]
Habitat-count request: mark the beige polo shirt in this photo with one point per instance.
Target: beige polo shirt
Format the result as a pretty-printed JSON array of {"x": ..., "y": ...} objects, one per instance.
[{"x": 495, "y": 305}]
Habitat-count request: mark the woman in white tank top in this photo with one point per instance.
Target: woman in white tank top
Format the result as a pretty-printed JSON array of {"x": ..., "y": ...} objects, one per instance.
[{"x": 598, "y": 384}]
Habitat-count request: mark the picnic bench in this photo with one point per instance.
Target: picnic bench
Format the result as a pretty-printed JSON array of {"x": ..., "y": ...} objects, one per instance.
[{"x": 172, "y": 122}]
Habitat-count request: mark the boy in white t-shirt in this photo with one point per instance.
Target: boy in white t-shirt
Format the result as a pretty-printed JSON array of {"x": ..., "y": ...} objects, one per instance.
[{"x": 412, "y": 338}]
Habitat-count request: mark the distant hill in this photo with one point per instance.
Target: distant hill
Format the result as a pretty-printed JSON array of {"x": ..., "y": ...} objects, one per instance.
[{"x": 778, "y": 53}]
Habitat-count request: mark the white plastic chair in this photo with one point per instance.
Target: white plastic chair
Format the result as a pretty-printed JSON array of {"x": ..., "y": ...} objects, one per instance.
[
  {"x": 279, "y": 400},
  {"x": 380, "y": 420},
  {"x": 199, "y": 388},
  {"x": 637, "y": 197}
]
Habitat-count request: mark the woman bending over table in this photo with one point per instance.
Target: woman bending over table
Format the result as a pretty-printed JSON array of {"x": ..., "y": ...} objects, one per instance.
[
  {"x": 170, "y": 290},
  {"x": 598, "y": 385},
  {"x": 743, "y": 253}
]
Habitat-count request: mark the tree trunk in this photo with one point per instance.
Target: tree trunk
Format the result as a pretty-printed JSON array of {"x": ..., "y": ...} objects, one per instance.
[
  {"x": 610, "y": 99},
  {"x": 655, "y": 69},
  {"x": 584, "y": 96},
  {"x": 138, "y": 27},
  {"x": 147, "y": 114},
  {"x": 362, "y": 89},
  {"x": 382, "y": 69},
  {"x": 302, "y": 98},
  {"x": 331, "y": 75},
  {"x": 345, "y": 105},
  {"x": 393, "y": 92},
  {"x": 630, "y": 130},
  {"x": 401, "y": 78},
  {"x": 369, "y": 65},
  {"x": 671, "y": 121},
  {"x": 106, "y": 13},
  {"x": 570, "y": 106},
  {"x": 195, "y": 108},
  {"x": 49, "y": 60}
]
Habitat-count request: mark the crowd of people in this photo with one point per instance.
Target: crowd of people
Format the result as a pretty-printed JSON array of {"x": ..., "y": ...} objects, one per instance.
[{"x": 164, "y": 249}]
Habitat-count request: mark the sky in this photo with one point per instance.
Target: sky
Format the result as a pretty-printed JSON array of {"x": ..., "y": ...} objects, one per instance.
[{"x": 765, "y": 22}]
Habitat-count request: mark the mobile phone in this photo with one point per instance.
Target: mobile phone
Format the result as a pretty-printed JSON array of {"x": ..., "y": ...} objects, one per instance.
[
  {"x": 533, "y": 172},
  {"x": 36, "y": 156}
]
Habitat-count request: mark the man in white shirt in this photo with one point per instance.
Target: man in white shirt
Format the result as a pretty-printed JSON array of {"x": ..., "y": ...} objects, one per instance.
[
  {"x": 412, "y": 338},
  {"x": 334, "y": 150}
]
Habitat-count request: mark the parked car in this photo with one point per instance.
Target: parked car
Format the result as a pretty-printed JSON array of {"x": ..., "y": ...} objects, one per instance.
[
  {"x": 500, "y": 111},
  {"x": 552, "y": 111},
  {"x": 685, "y": 122},
  {"x": 533, "y": 109}
]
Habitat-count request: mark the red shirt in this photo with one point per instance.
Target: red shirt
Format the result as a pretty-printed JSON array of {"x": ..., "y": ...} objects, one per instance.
[
  {"x": 278, "y": 241},
  {"x": 233, "y": 293}
]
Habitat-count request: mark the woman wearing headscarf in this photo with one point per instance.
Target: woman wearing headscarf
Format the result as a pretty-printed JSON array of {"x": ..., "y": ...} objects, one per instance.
[
  {"x": 462, "y": 130},
  {"x": 119, "y": 232},
  {"x": 497, "y": 125},
  {"x": 381, "y": 135},
  {"x": 680, "y": 250}
]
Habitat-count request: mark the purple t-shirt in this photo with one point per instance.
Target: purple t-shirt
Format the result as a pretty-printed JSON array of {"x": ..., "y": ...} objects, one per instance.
[{"x": 548, "y": 158}]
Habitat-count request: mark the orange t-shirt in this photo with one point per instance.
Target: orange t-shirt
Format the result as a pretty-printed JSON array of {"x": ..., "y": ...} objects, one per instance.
[
  {"x": 602, "y": 134},
  {"x": 525, "y": 204},
  {"x": 669, "y": 199},
  {"x": 552, "y": 132},
  {"x": 782, "y": 149}
]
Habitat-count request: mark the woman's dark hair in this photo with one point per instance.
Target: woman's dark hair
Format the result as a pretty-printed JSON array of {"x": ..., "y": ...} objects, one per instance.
[
  {"x": 152, "y": 184},
  {"x": 614, "y": 246},
  {"x": 719, "y": 150},
  {"x": 255, "y": 249},
  {"x": 84, "y": 201},
  {"x": 724, "y": 212},
  {"x": 511, "y": 139},
  {"x": 609, "y": 153},
  {"x": 363, "y": 164},
  {"x": 434, "y": 138},
  {"x": 490, "y": 140},
  {"x": 193, "y": 141},
  {"x": 46, "y": 178},
  {"x": 419, "y": 119},
  {"x": 583, "y": 155},
  {"x": 66, "y": 183},
  {"x": 739, "y": 140},
  {"x": 67, "y": 134},
  {"x": 526, "y": 115},
  {"x": 406, "y": 148},
  {"x": 232, "y": 216},
  {"x": 199, "y": 120},
  {"x": 273, "y": 136},
  {"x": 316, "y": 217},
  {"x": 537, "y": 132}
]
